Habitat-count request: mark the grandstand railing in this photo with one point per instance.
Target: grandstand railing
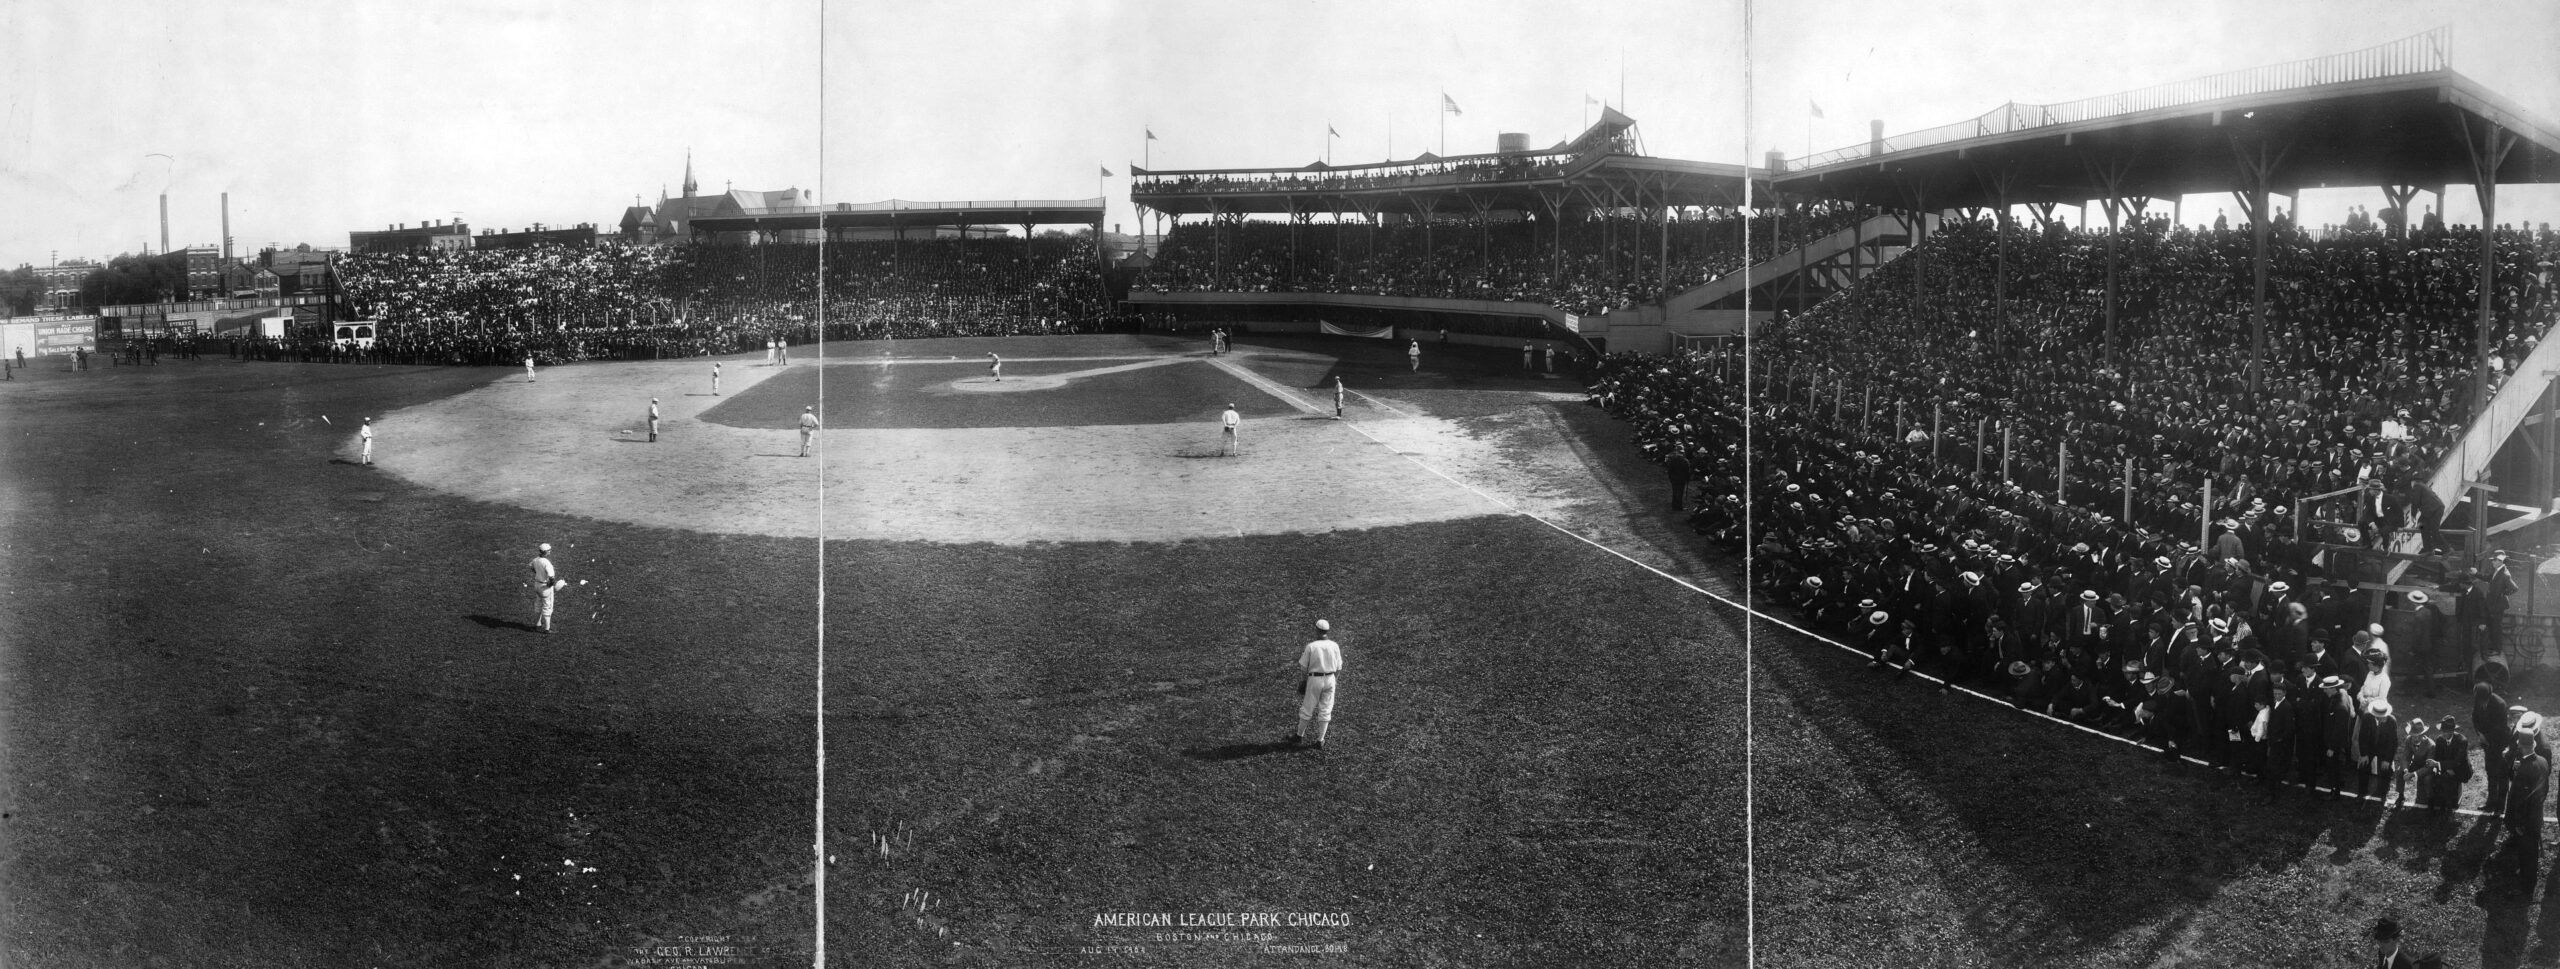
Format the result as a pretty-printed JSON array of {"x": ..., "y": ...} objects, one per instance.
[
  {"x": 1362, "y": 178},
  {"x": 2415, "y": 54},
  {"x": 902, "y": 205}
]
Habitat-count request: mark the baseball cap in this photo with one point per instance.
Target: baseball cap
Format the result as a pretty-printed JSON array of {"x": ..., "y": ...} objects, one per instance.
[
  {"x": 545, "y": 547},
  {"x": 1323, "y": 626}
]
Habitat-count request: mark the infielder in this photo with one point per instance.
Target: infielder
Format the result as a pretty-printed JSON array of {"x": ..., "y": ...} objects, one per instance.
[
  {"x": 1227, "y": 435},
  {"x": 546, "y": 583},
  {"x": 653, "y": 420},
  {"x": 528, "y": 368},
  {"x": 364, "y": 433},
  {"x": 782, "y": 351},
  {"x": 1413, "y": 355},
  {"x": 715, "y": 380},
  {"x": 808, "y": 428},
  {"x": 1337, "y": 398},
  {"x": 995, "y": 367},
  {"x": 1318, "y": 666}
]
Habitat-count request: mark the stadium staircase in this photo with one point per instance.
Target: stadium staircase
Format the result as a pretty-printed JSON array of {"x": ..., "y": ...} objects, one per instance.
[
  {"x": 1826, "y": 264},
  {"x": 2515, "y": 401}
]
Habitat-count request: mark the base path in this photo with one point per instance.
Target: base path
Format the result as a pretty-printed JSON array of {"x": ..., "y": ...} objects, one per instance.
[{"x": 576, "y": 442}]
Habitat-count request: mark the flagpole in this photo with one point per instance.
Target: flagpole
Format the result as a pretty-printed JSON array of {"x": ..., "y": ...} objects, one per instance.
[{"x": 1444, "y": 123}]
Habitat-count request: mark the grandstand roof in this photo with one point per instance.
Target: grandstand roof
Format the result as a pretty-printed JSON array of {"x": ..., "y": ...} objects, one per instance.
[
  {"x": 1598, "y": 168},
  {"x": 899, "y": 213},
  {"x": 2389, "y": 115},
  {"x": 1500, "y": 182}
]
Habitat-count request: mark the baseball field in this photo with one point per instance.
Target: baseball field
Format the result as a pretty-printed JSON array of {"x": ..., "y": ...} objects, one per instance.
[{"x": 265, "y": 706}]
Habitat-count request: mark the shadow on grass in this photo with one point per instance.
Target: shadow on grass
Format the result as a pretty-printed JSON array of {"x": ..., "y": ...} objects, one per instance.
[
  {"x": 1979, "y": 792},
  {"x": 633, "y": 440},
  {"x": 1240, "y": 751},
  {"x": 1194, "y": 453},
  {"x": 351, "y": 464},
  {"x": 2512, "y": 937},
  {"x": 493, "y": 622}
]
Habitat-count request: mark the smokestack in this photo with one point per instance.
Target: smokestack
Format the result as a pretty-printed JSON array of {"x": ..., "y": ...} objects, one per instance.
[
  {"x": 226, "y": 228},
  {"x": 164, "y": 222}
]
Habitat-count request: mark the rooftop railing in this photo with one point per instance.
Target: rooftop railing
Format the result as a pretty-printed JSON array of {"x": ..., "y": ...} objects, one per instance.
[{"x": 2414, "y": 54}]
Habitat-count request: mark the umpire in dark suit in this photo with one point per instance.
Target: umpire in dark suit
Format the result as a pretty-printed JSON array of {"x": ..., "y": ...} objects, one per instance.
[{"x": 1679, "y": 468}]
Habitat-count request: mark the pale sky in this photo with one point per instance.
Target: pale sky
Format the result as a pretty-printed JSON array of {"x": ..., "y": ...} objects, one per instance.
[{"x": 320, "y": 117}]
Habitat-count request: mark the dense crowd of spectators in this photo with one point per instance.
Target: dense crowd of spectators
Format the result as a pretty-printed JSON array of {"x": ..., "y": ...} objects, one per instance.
[
  {"x": 2202, "y": 628},
  {"x": 1601, "y": 261},
  {"x": 559, "y": 304}
]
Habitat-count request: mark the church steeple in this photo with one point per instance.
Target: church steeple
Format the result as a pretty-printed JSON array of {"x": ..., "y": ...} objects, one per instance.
[{"x": 689, "y": 187}]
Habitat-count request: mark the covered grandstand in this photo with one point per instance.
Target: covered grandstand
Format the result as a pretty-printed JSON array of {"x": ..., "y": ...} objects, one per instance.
[{"x": 1589, "y": 237}]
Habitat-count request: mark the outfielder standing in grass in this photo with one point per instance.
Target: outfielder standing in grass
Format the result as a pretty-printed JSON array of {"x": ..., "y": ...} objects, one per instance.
[
  {"x": 546, "y": 585},
  {"x": 528, "y": 368},
  {"x": 1227, "y": 432},
  {"x": 715, "y": 378},
  {"x": 653, "y": 420},
  {"x": 1318, "y": 667},
  {"x": 808, "y": 428}
]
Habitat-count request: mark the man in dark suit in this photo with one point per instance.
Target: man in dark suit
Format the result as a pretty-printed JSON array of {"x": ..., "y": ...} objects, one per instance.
[
  {"x": 2528, "y": 786},
  {"x": 2337, "y": 733},
  {"x": 1680, "y": 470},
  {"x": 2386, "y": 946},
  {"x": 2422, "y": 503}
]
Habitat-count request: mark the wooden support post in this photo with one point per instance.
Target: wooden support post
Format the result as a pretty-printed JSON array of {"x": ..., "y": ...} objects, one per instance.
[
  {"x": 2128, "y": 493},
  {"x": 2004, "y": 453},
  {"x": 2062, "y": 471},
  {"x": 1937, "y": 429},
  {"x": 1981, "y": 443}
]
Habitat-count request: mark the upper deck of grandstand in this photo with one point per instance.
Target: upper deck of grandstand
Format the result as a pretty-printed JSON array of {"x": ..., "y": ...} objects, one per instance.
[
  {"x": 1599, "y": 167},
  {"x": 2393, "y": 114},
  {"x": 903, "y": 214}
]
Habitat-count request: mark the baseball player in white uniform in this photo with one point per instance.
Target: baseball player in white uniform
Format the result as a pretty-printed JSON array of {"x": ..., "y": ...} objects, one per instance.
[
  {"x": 653, "y": 420},
  {"x": 715, "y": 380},
  {"x": 1319, "y": 669},
  {"x": 1337, "y": 398},
  {"x": 1227, "y": 434},
  {"x": 546, "y": 584},
  {"x": 364, "y": 433},
  {"x": 1413, "y": 355},
  {"x": 528, "y": 368},
  {"x": 808, "y": 428},
  {"x": 995, "y": 367}
]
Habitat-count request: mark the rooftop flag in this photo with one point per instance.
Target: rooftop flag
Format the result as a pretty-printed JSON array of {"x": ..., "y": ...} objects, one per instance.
[{"x": 1450, "y": 106}]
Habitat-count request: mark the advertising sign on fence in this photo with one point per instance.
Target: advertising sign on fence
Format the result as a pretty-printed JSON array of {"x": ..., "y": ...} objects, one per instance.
[{"x": 61, "y": 338}]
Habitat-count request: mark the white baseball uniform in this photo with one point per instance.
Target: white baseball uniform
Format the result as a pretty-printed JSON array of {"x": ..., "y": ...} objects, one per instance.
[
  {"x": 528, "y": 368},
  {"x": 808, "y": 430},
  {"x": 365, "y": 433},
  {"x": 715, "y": 380},
  {"x": 1321, "y": 662},
  {"x": 1228, "y": 422},
  {"x": 546, "y": 584}
]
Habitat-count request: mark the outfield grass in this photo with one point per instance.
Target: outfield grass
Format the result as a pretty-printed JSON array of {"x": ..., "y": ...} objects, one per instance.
[
  {"x": 264, "y": 709},
  {"x": 1535, "y": 761}
]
